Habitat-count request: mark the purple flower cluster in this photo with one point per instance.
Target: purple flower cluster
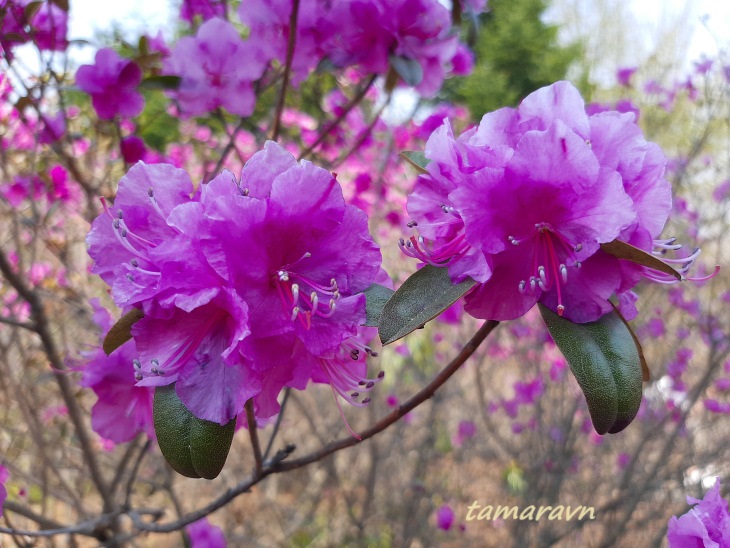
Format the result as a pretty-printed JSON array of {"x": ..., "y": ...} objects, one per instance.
[
  {"x": 45, "y": 25},
  {"x": 706, "y": 525},
  {"x": 363, "y": 33},
  {"x": 523, "y": 202},
  {"x": 217, "y": 69},
  {"x": 112, "y": 83},
  {"x": 246, "y": 287}
]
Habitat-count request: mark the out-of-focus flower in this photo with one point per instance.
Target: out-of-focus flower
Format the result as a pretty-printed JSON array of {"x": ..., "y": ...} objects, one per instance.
[
  {"x": 465, "y": 431},
  {"x": 445, "y": 517},
  {"x": 523, "y": 202},
  {"x": 706, "y": 525},
  {"x": 223, "y": 72},
  {"x": 228, "y": 326},
  {"x": 206, "y": 9},
  {"x": 132, "y": 149},
  {"x": 623, "y": 75},
  {"x": 49, "y": 26},
  {"x": 3, "y": 491},
  {"x": 203, "y": 534},
  {"x": 112, "y": 83},
  {"x": 123, "y": 410}
]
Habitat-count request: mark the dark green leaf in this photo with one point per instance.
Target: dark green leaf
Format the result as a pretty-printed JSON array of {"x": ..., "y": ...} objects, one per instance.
[
  {"x": 408, "y": 69},
  {"x": 417, "y": 159},
  {"x": 604, "y": 359},
  {"x": 161, "y": 82},
  {"x": 645, "y": 372},
  {"x": 376, "y": 296},
  {"x": 194, "y": 447},
  {"x": 121, "y": 331},
  {"x": 31, "y": 9},
  {"x": 622, "y": 250},
  {"x": 63, "y": 4},
  {"x": 420, "y": 299}
]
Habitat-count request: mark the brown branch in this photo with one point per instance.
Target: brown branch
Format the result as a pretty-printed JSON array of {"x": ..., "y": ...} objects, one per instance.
[
  {"x": 287, "y": 68},
  {"x": 277, "y": 466}
]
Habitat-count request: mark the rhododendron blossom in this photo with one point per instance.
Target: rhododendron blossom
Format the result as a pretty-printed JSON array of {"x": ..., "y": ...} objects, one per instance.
[
  {"x": 523, "y": 202},
  {"x": 707, "y": 524},
  {"x": 223, "y": 72},
  {"x": 246, "y": 287},
  {"x": 112, "y": 83}
]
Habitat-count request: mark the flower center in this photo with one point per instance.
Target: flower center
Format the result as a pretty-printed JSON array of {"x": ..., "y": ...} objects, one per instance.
[
  {"x": 303, "y": 297},
  {"x": 552, "y": 253}
]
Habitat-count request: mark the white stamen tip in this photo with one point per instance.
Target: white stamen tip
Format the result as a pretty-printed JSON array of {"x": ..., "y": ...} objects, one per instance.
[
  {"x": 521, "y": 286},
  {"x": 295, "y": 292},
  {"x": 564, "y": 273},
  {"x": 294, "y": 313},
  {"x": 315, "y": 300},
  {"x": 561, "y": 309}
]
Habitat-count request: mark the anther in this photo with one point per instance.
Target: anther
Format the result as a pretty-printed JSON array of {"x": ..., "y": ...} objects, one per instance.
[
  {"x": 283, "y": 275},
  {"x": 124, "y": 233},
  {"x": 150, "y": 192},
  {"x": 130, "y": 278},
  {"x": 120, "y": 214},
  {"x": 411, "y": 225},
  {"x": 154, "y": 371},
  {"x": 578, "y": 247},
  {"x": 136, "y": 363},
  {"x": 533, "y": 283},
  {"x": 315, "y": 300},
  {"x": 543, "y": 279},
  {"x": 381, "y": 374},
  {"x": 245, "y": 192},
  {"x": 373, "y": 354},
  {"x": 521, "y": 286},
  {"x": 138, "y": 376},
  {"x": 155, "y": 362},
  {"x": 295, "y": 292},
  {"x": 134, "y": 263},
  {"x": 561, "y": 309},
  {"x": 354, "y": 354},
  {"x": 370, "y": 384},
  {"x": 577, "y": 264},
  {"x": 115, "y": 223},
  {"x": 401, "y": 242},
  {"x": 366, "y": 400},
  {"x": 354, "y": 395},
  {"x": 361, "y": 383},
  {"x": 564, "y": 273},
  {"x": 333, "y": 304},
  {"x": 294, "y": 313}
]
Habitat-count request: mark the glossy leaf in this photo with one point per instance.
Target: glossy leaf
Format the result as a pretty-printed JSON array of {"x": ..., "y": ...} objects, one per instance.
[
  {"x": 622, "y": 250},
  {"x": 194, "y": 447},
  {"x": 121, "y": 331},
  {"x": 604, "y": 360},
  {"x": 409, "y": 69},
  {"x": 420, "y": 299},
  {"x": 376, "y": 296},
  {"x": 417, "y": 159},
  {"x": 645, "y": 372}
]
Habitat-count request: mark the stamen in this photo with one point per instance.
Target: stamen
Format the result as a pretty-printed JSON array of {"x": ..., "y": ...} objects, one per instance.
[
  {"x": 295, "y": 293},
  {"x": 564, "y": 273},
  {"x": 294, "y": 313},
  {"x": 521, "y": 286}
]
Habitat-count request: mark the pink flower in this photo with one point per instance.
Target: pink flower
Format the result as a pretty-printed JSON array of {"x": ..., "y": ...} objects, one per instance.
[
  {"x": 465, "y": 431},
  {"x": 132, "y": 149},
  {"x": 523, "y": 202},
  {"x": 49, "y": 27},
  {"x": 246, "y": 287},
  {"x": 206, "y": 9},
  {"x": 112, "y": 81},
  {"x": 223, "y": 72},
  {"x": 706, "y": 525},
  {"x": 123, "y": 410},
  {"x": 204, "y": 535},
  {"x": 3, "y": 491},
  {"x": 623, "y": 75},
  {"x": 445, "y": 517}
]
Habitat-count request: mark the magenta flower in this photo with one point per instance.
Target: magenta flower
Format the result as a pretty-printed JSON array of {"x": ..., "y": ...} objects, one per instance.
[
  {"x": 246, "y": 287},
  {"x": 206, "y": 9},
  {"x": 445, "y": 517},
  {"x": 522, "y": 204},
  {"x": 3, "y": 491},
  {"x": 132, "y": 149},
  {"x": 112, "y": 81},
  {"x": 623, "y": 75},
  {"x": 223, "y": 72},
  {"x": 49, "y": 27},
  {"x": 122, "y": 410},
  {"x": 204, "y": 535},
  {"x": 706, "y": 525}
]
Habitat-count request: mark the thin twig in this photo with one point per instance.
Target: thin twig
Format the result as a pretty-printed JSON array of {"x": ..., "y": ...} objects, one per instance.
[
  {"x": 287, "y": 68},
  {"x": 254, "y": 435},
  {"x": 278, "y": 466},
  {"x": 334, "y": 123},
  {"x": 279, "y": 418}
]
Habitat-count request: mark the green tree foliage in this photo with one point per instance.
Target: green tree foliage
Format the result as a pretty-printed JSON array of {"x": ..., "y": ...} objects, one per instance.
[{"x": 516, "y": 53}]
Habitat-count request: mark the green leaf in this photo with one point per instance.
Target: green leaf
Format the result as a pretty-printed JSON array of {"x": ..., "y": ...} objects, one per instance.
[
  {"x": 420, "y": 299},
  {"x": 376, "y": 296},
  {"x": 622, "y": 250},
  {"x": 194, "y": 447},
  {"x": 161, "y": 82},
  {"x": 121, "y": 331},
  {"x": 605, "y": 361},
  {"x": 417, "y": 159},
  {"x": 409, "y": 69}
]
